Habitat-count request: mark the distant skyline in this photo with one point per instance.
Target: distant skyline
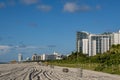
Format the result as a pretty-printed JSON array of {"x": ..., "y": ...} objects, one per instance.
[{"x": 45, "y": 26}]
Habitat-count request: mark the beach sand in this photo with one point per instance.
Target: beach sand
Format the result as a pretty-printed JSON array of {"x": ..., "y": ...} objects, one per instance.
[{"x": 33, "y": 71}]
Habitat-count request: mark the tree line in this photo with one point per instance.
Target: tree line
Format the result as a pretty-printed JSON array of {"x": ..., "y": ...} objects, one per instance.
[{"x": 107, "y": 62}]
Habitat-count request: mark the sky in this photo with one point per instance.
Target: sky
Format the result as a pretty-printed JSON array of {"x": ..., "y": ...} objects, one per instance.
[{"x": 45, "y": 26}]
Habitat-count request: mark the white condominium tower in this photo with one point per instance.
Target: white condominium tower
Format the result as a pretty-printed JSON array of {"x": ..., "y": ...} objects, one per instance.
[
  {"x": 92, "y": 44},
  {"x": 34, "y": 57},
  {"x": 20, "y": 57},
  {"x": 116, "y": 37}
]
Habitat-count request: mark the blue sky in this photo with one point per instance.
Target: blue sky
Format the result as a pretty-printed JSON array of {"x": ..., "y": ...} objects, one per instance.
[{"x": 42, "y": 26}]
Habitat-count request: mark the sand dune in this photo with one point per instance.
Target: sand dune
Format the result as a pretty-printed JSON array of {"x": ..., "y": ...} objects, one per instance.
[{"x": 33, "y": 71}]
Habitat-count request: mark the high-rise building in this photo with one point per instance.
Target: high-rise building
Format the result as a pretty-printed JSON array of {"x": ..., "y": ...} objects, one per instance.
[
  {"x": 84, "y": 46},
  {"x": 92, "y": 44},
  {"x": 34, "y": 57},
  {"x": 80, "y": 37},
  {"x": 116, "y": 37},
  {"x": 20, "y": 57}
]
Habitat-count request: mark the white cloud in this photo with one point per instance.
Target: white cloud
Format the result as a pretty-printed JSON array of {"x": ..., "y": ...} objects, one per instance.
[
  {"x": 22, "y": 47},
  {"x": 4, "y": 47},
  {"x": 71, "y": 7},
  {"x": 10, "y": 49},
  {"x": 44, "y": 7},
  {"x": 74, "y": 7},
  {"x": 27, "y": 47},
  {"x": 7, "y": 47},
  {"x": 2, "y": 5},
  {"x": 29, "y": 2}
]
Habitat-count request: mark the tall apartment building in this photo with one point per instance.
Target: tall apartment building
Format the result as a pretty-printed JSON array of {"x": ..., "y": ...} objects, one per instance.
[
  {"x": 35, "y": 57},
  {"x": 116, "y": 37},
  {"x": 92, "y": 44},
  {"x": 20, "y": 57}
]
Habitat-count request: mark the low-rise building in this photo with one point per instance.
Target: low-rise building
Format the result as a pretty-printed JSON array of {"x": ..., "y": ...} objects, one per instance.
[{"x": 54, "y": 56}]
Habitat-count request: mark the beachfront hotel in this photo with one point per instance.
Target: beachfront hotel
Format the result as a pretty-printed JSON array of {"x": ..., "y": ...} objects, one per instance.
[
  {"x": 92, "y": 44},
  {"x": 20, "y": 57}
]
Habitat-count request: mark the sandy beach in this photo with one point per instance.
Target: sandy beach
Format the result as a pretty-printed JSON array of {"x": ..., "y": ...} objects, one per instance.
[{"x": 33, "y": 71}]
